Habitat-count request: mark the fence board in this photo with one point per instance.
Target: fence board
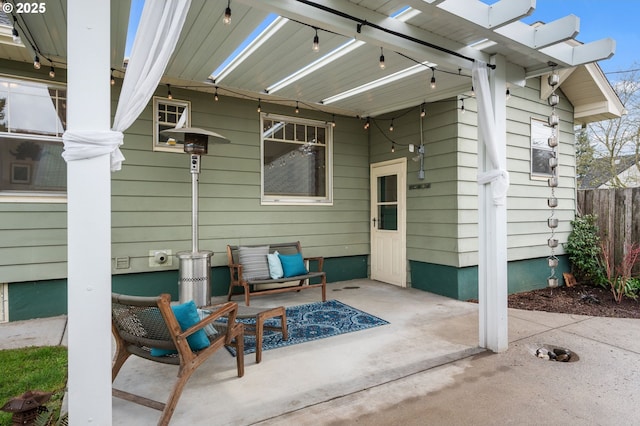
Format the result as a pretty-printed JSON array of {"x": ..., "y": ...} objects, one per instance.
[{"x": 618, "y": 217}]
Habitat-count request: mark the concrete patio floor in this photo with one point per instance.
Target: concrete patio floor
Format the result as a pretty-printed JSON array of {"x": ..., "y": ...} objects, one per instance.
[
  {"x": 424, "y": 368},
  {"x": 425, "y": 331}
]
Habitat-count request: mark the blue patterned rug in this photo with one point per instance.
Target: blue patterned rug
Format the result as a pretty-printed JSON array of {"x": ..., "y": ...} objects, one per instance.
[{"x": 312, "y": 321}]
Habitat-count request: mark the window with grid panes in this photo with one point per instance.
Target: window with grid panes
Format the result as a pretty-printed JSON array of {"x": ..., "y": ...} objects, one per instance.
[
  {"x": 296, "y": 160},
  {"x": 167, "y": 114}
]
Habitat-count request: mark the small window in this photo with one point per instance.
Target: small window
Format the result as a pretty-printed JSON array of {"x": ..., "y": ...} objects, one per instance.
[
  {"x": 167, "y": 114},
  {"x": 296, "y": 160},
  {"x": 541, "y": 152},
  {"x": 32, "y": 121}
]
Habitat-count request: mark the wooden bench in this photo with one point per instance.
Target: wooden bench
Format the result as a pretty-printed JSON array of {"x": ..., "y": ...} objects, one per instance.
[{"x": 249, "y": 286}]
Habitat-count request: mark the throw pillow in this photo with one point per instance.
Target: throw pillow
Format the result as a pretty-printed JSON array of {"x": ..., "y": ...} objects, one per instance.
[
  {"x": 187, "y": 316},
  {"x": 293, "y": 264},
  {"x": 275, "y": 266},
  {"x": 254, "y": 262}
]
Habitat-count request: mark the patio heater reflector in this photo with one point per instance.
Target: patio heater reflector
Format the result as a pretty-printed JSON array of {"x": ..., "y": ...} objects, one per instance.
[{"x": 194, "y": 277}]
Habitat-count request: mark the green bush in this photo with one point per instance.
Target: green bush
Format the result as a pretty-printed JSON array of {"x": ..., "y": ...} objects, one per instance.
[{"x": 583, "y": 249}]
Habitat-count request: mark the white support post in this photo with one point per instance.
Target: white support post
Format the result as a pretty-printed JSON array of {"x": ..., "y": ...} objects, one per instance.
[
  {"x": 492, "y": 229},
  {"x": 89, "y": 216}
]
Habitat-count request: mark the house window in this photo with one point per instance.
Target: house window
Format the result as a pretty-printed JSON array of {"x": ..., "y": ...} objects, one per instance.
[
  {"x": 32, "y": 121},
  {"x": 296, "y": 160},
  {"x": 167, "y": 114},
  {"x": 540, "y": 149}
]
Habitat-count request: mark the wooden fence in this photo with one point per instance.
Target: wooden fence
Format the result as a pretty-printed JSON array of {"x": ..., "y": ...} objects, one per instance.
[{"x": 618, "y": 216}]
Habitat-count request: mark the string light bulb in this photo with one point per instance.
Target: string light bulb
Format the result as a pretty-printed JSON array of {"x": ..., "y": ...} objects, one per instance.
[
  {"x": 433, "y": 78},
  {"x": 316, "y": 41},
  {"x": 508, "y": 94},
  {"x": 227, "y": 14},
  {"x": 52, "y": 72},
  {"x": 393, "y": 147},
  {"x": 215, "y": 95},
  {"x": 423, "y": 112},
  {"x": 169, "y": 95},
  {"x": 462, "y": 106},
  {"x": 259, "y": 105},
  {"x": 113, "y": 80},
  {"x": 473, "y": 91},
  {"x": 36, "y": 62},
  {"x": 14, "y": 32},
  {"x": 297, "y": 109},
  {"x": 333, "y": 120},
  {"x": 382, "y": 64},
  {"x": 391, "y": 126},
  {"x": 367, "y": 124}
]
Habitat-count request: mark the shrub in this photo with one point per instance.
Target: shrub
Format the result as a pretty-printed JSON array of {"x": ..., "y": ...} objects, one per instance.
[
  {"x": 583, "y": 248},
  {"x": 619, "y": 277}
]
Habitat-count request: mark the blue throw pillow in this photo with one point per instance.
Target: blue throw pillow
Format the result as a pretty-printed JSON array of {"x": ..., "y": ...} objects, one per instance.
[
  {"x": 293, "y": 264},
  {"x": 275, "y": 266},
  {"x": 187, "y": 316}
]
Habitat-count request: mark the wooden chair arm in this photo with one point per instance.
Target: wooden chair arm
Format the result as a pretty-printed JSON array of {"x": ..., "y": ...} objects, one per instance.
[
  {"x": 319, "y": 259},
  {"x": 228, "y": 309},
  {"x": 236, "y": 271}
]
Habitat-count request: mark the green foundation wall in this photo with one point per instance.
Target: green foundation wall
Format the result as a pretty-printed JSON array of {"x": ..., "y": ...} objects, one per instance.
[
  {"x": 42, "y": 299},
  {"x": 462, "y": 283}
]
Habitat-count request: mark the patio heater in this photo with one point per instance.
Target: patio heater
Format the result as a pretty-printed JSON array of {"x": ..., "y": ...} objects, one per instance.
[{"x": 194, "y": 281}]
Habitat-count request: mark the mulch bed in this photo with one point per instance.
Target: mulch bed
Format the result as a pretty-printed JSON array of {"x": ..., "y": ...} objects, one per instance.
[{"x": 579, "y": 300}]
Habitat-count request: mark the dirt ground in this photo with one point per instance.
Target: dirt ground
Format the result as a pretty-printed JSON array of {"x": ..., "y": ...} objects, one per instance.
[{"x": 580, "y": 299}]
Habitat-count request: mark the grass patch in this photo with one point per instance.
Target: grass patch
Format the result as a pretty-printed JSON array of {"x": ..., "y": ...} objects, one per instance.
[{"x": 42, "y": 368}]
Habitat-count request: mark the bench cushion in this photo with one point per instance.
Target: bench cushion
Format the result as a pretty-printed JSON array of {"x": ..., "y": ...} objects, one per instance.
[
  {"x": 254, "y": 262},
  {"x": 282, "y": 280},
  {"x": 293, "y": 264},
  {"x": 275, "y": 266}
]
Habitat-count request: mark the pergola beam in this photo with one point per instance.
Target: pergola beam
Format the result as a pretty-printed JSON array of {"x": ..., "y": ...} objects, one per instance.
[
  {"x": 543, "y": 35},
  {"x": 488, "y": 16}
]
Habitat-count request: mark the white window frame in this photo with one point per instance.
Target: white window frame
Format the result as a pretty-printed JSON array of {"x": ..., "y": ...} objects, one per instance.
[
  {"x": 11, "y": 196},
  {"x": 540, "y": 134},
  {"x": 326, "y": 200},
  {"x": 159, "y": 145}
]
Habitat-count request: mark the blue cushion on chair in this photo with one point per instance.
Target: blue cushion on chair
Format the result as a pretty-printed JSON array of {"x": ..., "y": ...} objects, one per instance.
[
  {"x": 293, "y": 264},
  {"x": 187, "y": 316}
]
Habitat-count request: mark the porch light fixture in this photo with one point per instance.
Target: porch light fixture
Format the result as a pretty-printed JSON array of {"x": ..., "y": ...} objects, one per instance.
[
  {"x": 382, "y": 65},
  {"x": 337, "y": 53},
  {"x": 36, "y": 62},
  {"x": 316, "y": 42},
  {"x": 227, "y": 14},
  {"x": 250, "y": 48},
  {"x": 376, "y": 83}
]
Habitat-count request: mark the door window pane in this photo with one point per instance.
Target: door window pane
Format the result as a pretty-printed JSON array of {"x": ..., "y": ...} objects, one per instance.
[
  {"x": 387, "y": 188},
  {"x": 388, "y": 217}
]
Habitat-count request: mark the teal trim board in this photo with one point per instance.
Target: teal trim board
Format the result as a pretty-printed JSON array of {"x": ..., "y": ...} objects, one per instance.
[
  {"x": 41, "y": 299},
  {"x": 462, "y": 283},
  {"x": 37, "y": 299}
]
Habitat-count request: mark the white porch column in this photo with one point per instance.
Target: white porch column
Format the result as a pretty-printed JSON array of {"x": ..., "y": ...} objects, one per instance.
[
  {"x": 492, "y": 229},
  {"x": 89, "y": 216}
]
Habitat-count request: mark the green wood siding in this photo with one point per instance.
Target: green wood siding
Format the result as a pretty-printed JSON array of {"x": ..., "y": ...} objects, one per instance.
[{"x": 151, "y": 196}]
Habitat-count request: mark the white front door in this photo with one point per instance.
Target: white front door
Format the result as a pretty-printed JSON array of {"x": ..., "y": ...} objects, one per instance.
[{"x": 388, "y": 222}]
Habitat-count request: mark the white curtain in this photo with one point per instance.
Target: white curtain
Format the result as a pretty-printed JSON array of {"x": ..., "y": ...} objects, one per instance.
[
  {"x": 156, "y": 38},
  {"x": 498, "y": 177}
]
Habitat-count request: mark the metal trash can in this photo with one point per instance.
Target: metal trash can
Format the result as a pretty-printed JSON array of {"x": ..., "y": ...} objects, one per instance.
[{"x": 194, "y": 282}]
